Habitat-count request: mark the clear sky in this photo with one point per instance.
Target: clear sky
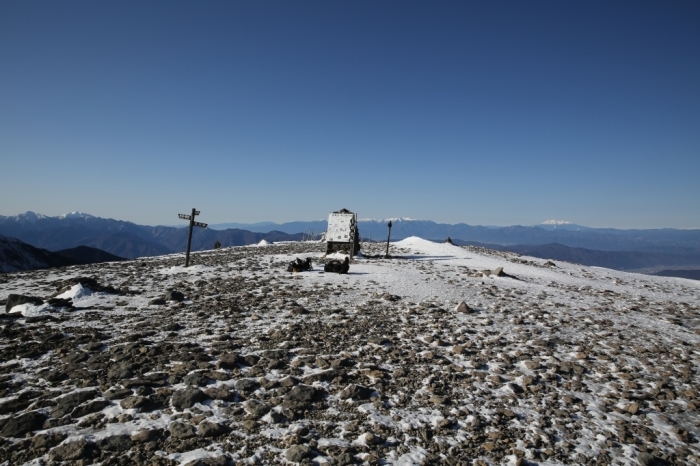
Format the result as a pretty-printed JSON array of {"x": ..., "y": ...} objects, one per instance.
[{"x": 493, "y": 113}]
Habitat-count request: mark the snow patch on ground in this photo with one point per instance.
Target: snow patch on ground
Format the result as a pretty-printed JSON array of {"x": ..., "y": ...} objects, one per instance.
[
  {"x": 76, "y": 292},
  {"x": 29, "y": 309}
]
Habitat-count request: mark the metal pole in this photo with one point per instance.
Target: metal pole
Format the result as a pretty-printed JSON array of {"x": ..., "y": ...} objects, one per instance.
[
  {"x": 189, "y": 240},
  {"x": 386, "y": 256}
]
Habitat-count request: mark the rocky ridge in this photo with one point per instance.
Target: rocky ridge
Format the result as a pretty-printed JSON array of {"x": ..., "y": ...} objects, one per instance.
[{"x": 422, "y": 359}]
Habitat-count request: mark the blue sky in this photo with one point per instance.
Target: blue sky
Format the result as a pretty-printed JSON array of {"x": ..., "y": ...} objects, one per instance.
[{"x": 492, "y": 113}]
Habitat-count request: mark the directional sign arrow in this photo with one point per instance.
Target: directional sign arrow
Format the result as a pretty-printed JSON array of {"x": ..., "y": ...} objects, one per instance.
[
  {"x": 200, "y": 224},
  {"x": 196, "y": 212},
  {"x": 186, "y": 217}
]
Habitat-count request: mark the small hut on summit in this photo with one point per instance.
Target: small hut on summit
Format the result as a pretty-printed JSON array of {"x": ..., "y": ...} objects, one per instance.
[{"x": 342, "y": 234}]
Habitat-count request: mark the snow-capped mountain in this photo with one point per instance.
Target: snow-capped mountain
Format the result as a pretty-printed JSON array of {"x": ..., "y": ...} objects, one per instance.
[
  {"x": 121, "y": 238},
  {"x": 76, "y": 215},
  {"x": 561, "y": 225},
  {"x": 666, "y": 241},
  {"x": 127, "y": 239}
]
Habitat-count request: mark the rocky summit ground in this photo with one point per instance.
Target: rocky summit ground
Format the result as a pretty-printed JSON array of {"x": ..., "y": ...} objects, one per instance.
[{"x": 440, "y": 355}]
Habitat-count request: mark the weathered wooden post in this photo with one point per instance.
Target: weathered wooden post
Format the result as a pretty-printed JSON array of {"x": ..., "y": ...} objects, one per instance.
[
  {"x": 189, "y": 236},
  {"x": 386, "y": 256}
]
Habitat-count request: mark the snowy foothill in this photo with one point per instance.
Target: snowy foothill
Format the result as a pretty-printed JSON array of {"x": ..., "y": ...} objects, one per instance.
[{"x": 438, "y": 355}]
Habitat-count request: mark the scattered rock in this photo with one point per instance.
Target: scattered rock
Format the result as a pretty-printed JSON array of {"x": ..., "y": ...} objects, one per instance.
[
  {"x": 322, "y": 376},
  {"x": 227, "y": 361},
  {"x": 297, "y": 453},
  {"x": 89, "y": 408},
  {"x": 70, "y": 451},
  {"x": 302, "y": 394},
  {"x": 180, "y": 430},
  {"x": 289, "y": 381},
  {"x": 133, "y": 402},
  {"x": 17, "y": 426},
  {"x": 196, "y": 378},
  {"x": 183, "y": 399},
  {"x": 211, "y": 429},
  {"x": 246, "y": 385},
  {"x": 377, "y": 340},
  {"x": 145, "y": 436},
  {"x": 256, "y": 408},
  {"x": 174, "y": 296},
  {"x": 356, "y": 392},
  {"x": 117, "y": 393},
  {"x": 121, "y": 442},
  {"x": 463, "y": 308},
  {"x": 645, "y": 459},
  {"x": 48, "y": 440},
  {"x": 220, "y": 393}
]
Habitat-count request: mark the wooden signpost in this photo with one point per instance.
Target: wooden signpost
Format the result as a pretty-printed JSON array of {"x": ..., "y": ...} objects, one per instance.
[{"x": 189, "y": 237}]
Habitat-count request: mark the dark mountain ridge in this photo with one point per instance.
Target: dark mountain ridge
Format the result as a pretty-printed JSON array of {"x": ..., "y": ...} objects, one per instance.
[
  {"x": 16, "y": 255},
  {"x": 123, "y": 239},
  {"x": 88, "y": 255}
]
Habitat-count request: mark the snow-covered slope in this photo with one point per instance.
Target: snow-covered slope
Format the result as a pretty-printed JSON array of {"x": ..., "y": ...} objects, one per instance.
[{"x": 555, "y": 363}]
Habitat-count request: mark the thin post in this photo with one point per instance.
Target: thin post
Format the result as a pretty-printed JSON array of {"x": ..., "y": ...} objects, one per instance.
[
  {"x": 189, "y": 239},
  {"x": 386, "y": 256},
  {"x": 352, "y": 239}
]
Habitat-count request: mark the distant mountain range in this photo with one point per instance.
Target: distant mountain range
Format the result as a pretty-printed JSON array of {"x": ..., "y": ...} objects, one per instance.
[
  {"x": 690, "y": 274},
  {"x": 619, "y": 260},
  {"x": 664, "y": 241},
  {"x": 123, "y": 239},
  {"x": 16, "y": 255},
  {"x": 639, "y": 250}
]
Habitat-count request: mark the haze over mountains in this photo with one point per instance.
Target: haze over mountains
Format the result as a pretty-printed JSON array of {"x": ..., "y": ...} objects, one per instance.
[
  {"x": 666, "y": 241},
  {"x": 121, "y": 238},
  {"x": 647, "y": 251}
]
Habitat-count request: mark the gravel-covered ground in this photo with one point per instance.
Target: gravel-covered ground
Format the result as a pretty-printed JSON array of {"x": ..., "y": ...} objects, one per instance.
[{"x": 542, "y": 364}]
